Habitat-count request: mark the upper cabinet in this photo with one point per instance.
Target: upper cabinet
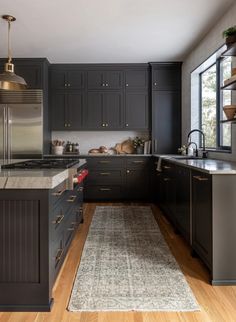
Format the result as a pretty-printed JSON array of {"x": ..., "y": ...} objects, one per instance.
[
  {"x": 136, "y": 79},
  {"x": 166, "y": 77},
  {"x": 67, "y": 79},
  {"x": 105, "y": 80},
  {"x": 33, "y": 70}
]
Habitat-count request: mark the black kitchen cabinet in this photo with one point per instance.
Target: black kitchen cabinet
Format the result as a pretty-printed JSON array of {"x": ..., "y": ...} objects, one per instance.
[
  {"x": 33, "y": 70},
  {"x": 182, "y": 210},
  {"x": 202, "y": 216},
  {"x": 105, "y": 80},
  {"x": 166, "y": 108},
  {"x": 136, "y": 110},
  {"x": 136, "y": 79},
  {"x": 67, "y": 110},
  {"x": 104, "y": 111},
  {"x": 117, "y": 178},
  {"x": 67, "y": 79},
  {"x": 166, "y": 77}
]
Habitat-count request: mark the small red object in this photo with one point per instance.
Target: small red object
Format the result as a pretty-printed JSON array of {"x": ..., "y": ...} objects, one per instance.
[{"x": 82, "y": 175}]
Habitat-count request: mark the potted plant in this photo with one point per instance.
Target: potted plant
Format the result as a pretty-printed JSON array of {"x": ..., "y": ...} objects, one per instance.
[
  {"x": 230, "y": 35},
  {"x": 138, "y": 144}
]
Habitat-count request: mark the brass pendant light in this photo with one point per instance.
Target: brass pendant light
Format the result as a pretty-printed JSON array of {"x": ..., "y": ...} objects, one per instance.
[{"x": 8, "y": 79}]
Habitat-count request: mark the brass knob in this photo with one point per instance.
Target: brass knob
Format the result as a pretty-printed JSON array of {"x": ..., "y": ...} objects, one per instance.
[
  {"x": 126, "y": 124},
  {"x": 106, "y": 84},
  {"x": 65, "y": 85},
  {"x": 106, "y": 124},
  {"x": 103, "y": 84},
  {"x": 127, "y": 171},
  {"x": 65, "y": 125},
  {"x": 155, "y": 84},
  {"x": 103, "y": 124},
  {"x": 126, "y": 85},
  {"x": 68, "y": 85},
  {"x": 68, "y": 124}
]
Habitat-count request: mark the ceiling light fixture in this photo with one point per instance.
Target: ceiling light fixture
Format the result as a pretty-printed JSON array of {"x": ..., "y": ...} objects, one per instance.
[{"x": 8, "y": 79}]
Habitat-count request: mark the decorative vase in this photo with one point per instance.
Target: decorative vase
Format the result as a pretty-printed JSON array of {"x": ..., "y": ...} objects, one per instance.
[{"x": 140, "y": 150}]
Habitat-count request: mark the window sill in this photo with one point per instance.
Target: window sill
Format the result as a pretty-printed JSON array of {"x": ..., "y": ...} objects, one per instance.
[{"x": 219, "y": 150}]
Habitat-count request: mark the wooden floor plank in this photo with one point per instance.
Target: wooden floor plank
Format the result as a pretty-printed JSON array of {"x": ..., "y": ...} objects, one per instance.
[{"x": 218, "y": 304}]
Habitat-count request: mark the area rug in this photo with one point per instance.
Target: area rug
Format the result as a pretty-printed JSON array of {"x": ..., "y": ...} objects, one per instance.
[{"x": 126, "y": 265}]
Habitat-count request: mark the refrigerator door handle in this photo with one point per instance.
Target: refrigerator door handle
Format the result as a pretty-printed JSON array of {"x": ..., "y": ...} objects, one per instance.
[
  {"x": 9, "y": 136},
  {"x": 4, "y": 133}
]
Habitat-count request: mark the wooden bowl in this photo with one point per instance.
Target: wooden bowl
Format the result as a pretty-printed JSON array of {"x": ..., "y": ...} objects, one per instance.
[{"x": 229, "y": 111}]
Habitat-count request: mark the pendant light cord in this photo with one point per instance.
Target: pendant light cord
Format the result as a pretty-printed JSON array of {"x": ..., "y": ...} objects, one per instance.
[{"x": 8, "y": 41}]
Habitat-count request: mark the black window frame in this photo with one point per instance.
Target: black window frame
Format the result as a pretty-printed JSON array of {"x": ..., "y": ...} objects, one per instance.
[{"x": 219, "y": 106}]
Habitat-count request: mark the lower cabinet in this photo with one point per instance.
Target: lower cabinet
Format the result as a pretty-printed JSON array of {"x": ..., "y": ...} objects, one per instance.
[
  {"x": 116, "y": 178},
  {"x": 202, "y": 216},
  {"x": 47, "y": 220}
]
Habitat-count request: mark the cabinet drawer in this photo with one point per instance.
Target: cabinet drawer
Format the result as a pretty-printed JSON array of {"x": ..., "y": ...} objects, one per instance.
[
  {"x": 137, "y": 163},
  {"x": 57, "y": 255},
  {"x": 105, "y": 163},
  {"x": 104, "y": 192},
  {"x": 58, "y": 193},
  {"x": 105, "y": 177}
]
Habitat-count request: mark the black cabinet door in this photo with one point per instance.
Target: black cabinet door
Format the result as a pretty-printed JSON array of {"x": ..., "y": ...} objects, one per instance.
[
  {"x": 202, "y": 215},
  {"x": 137, "y": 184},
  {"x": 113, "y": 79},
  {"x": 58, "y": 79},
  {"x": 136, "y": 79},
  {"x": 136, "y": 110},
  {"x": 93, "y": 118},
  {"x": 166, "y": 78},
  {"x": 31, "y": 74},
  {"x": 67, "y": 79},
  {"x": 75, "y": 108},
  {"x": 75, "y": 79},
  {"x": 58, "y": 111},
  {"x": 113, "y": 110},
  {"x": 182, "y": 213},
  {"x": 96, "y": 79},
  {"x": 166, "y": 111}
]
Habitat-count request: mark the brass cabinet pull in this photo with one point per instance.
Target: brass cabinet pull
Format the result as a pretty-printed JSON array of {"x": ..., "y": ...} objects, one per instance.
[
  {"x": 138, "y": 161},
  {"x": 104, "y": 173},
  {"x": 58, "y": 220},
  {"x": 59, "y": 193},
  {"x": 72, "y": 199},
  {"x": 127, "y": 171},
  {"x": 126, "y": 84},
  {"x": 80, "y": 210},
  {"x": 199, "y": 178},
  {"x": 104, "y": 161},
  {"x": 80, "y": 189},
  {"x": 167, "y": 179},
  {"x": 105, "y": 189},
  {"x": 166, "y": 167},
  {"x": 59, "y": 254}
]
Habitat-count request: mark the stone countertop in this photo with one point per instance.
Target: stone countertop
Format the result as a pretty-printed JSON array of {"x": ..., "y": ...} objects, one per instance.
[
  {"x": 33, "y": 178},
  {"x": 95, "y": 155},
  {"x": 210, "y": 166}
]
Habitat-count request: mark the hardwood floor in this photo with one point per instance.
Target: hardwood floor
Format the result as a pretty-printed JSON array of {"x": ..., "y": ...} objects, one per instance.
[{"x": 218, "y": 304}]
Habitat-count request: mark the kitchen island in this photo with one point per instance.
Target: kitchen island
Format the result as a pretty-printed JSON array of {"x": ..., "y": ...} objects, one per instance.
[{"x": 40, "y": 211}]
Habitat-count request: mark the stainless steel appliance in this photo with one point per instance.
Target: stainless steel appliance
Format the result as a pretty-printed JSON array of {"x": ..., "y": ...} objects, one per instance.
[
  {"x": 43, "y": 164},
  {"x": 21, "y": 124}
]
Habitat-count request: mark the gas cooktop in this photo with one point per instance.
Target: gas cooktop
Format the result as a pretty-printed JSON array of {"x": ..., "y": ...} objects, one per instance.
[{"x": 42, "y": 164}]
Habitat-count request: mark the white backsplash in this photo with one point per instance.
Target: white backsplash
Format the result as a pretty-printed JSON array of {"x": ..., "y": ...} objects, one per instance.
[{"x": 94, "y": 139}]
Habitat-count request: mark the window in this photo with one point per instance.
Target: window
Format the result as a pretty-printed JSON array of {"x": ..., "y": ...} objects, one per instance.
[{"x": 212, "y": 100}]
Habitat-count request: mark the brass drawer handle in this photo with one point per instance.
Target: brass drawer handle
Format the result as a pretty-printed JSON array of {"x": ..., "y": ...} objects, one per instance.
[
  {"x": 103, "y": 161},
  {"x": 59, "y": 193},
  {"x": 72, "y": 199},
  {"x": 80, "y": 210},
  {"x": 199, "y": 178},
  {"x": 138, "y": 161},
  {"x": 105, "y": 189},
  {"x": 167, "y": 179},
  {"x": 58, "y": 220},
  {"x": 105, "y": 173},
  {"x": 59, "y": 255},
  {"x": 166, "y": 167},
  {"x": 80, "y": 189}
]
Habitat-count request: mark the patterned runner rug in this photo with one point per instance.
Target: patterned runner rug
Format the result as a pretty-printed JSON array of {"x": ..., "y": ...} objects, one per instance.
[{"x": 126, "y": 265}]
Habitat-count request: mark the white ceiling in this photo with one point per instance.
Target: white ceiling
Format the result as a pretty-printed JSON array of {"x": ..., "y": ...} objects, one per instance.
[{"x": 102, "y": 31}]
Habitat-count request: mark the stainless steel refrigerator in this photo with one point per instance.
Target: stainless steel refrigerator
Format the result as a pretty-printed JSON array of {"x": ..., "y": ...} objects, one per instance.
[{"x": 21, "y": 124}]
